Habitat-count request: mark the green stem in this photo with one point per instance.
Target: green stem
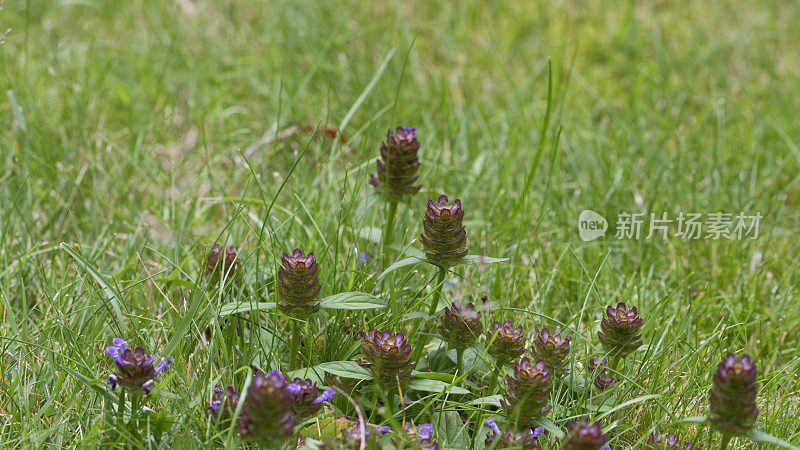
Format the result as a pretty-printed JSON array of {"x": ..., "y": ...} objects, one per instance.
[
  {"x": 460, "y": 361},
  {"x": 294, "y": 329},
  {"x": 386, "y": 238},
  {"x": 121, "y": 408},
  {"x": 495, "y": 377},
  {"x": 726, "y": 439},
  {"x": 437, "y": 294},
  {"x": 134, "y": 408}
]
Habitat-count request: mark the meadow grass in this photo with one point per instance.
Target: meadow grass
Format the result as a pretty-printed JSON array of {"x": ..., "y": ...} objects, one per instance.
[{"x": 130, "y": 145}]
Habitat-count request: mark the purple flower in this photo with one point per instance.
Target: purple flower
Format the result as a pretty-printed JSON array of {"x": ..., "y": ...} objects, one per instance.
[
  {"x": 527, "y": 439},
  {"x": 389, "y": 354},
  {"x": 306, "y": 399},
  {"x": 421, "y": 435},
  {"x": 509, "y": 342},
  {"x": 528, "y": 392},
  {"x": 582, "y": 436},
  {"x": 460, "y": 326},
  {"x": 620, "y": 330},
  {"x": 444, "y": 236},
  {"x": 398, "y": 165},
  {"x": 298, "y": 284},
  {"x": 552, "y": 348},
  {"x": 733, "y": 395},
  {"x": 136, "y": 369},
  {"x": 222, "y": 266},
  {"x": 267, "y": 416}
]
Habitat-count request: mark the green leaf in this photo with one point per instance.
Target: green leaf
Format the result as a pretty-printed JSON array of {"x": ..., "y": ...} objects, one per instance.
[
  {"x": 550, "y": 426},
  {"x": 402, "y": 263},
  {"x": 444, "y": 377},
  {"x": 760, "y": 436},
  {"x": 480, "y": 259},
  {"x": 352, "y": 300},
  {"x": 628, "y": 403},
  {"x": 237, "y": 307},
  {"x": 451, "y": 429},
  {"x": 426, "y": 385},
  {"x": 111, "y": 294},
  {"x": 346, "y": 369},
  {"x": 490, "y": 400},
  {"x": 692, "y": 419}
]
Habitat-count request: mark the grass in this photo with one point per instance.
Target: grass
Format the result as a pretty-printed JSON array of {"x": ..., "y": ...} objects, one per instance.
[{"x": 125, "y": 158}]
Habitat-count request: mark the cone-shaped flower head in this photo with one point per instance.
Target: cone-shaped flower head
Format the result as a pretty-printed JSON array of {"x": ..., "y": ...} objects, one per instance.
[
  {"x": 664, "y": 441},
  {"x": 460, "y": 326},
  {"x": 422, "y": 436},
  {"x": 527, "y": 439},
  {"x": 582, "y": 436},
  {"x": 528, "y": 392},
  {"x": 298, "y": 284},
  {"x": 444, "y": 238},
  {"x": 597, "y": 369},
  {"x": 552, "y": 348},
  {"x": 733, "y": 395},
  {"x": 223, "y": 403},
  {"x": 620, "y": 330},
  {"x": 306, "y": 399},
  {"x": 389, "y": 354},
  {"x": 222, "y": 264},
  {"x": 509, "y": 342},
  {"x": 398, "y": 165},
  {"x": 266, "y": 415},
  {"x": 135, "y": 368}
]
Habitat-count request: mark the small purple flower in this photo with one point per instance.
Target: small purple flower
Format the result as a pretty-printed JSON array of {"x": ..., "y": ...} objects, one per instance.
[
  {"x": 398, "y": 165},
  {"x": 306, "y": 399},
  {"x": 384, "y": 429},
  {"x": 298, "y": 284},
  {"x": 362, "y": 257},
  {"x": 266, "y": 415},
  {"x": 389, "y": 354},
  {"x": 421, "y": 435},
  {"x": 583, "y": 436},
  {"x": 136, "y": 370},
  {"x": 527, "y": 439}
]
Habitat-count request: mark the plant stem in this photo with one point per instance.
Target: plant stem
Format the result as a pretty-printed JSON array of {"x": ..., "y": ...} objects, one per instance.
[
  {"x": 386, "y": 238},
  {"x": 460, "y": 361},
  {"x": 495, "y": 377},
  {"x": 121, "y": 408},
  {"x": 437, "y": 293},
  {"x": 294, "y": 329},
  {"x": 726, "y": 439},
  {"x": 134, "y": 408}
]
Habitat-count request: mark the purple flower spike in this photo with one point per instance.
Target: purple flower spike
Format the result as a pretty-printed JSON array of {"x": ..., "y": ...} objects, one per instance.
[
  {"x": 306, "y": 399},
  {"x": 326, "y": 396},
  {"x": 136, "y": 370},
  {"x": 398, "y": 165},
  {"x": 527, "y": 439},
  {"x": 389, "y": 354},
  {"x": 298, "y": 284},
  {"x": 444, "y": 237},
  {"x": 294, "y": 388}
]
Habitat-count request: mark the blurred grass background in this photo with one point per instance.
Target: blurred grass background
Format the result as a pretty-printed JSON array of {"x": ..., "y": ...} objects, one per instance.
[{"x": 124, "y": 126}]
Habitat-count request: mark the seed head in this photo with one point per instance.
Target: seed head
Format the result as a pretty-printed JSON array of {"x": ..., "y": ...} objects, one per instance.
[
  {"x": 733, "y": 395},
  {"x": 552, "y": 348},
  {"x": 398, "y": 165},
  {"x": 664, "y": 441},
  {"x": 444, "y": 237},
  {"x": 298, "y": 284},
  {"x": 460, "y": 326},
  {"x": 620, "y": 330},
  {"x": 527, "y": 439},
  {"x": 135, "y": 368},
  {"x": 306, "y": 399},
  {"x": 582, "y": 436},
  {"x": 389, "y": 354},
  {"x": 528, "y": 392},
  {"x": 266, "y": 416},
  {"x": 221, "y": 265},
  {"x": 509, "y": 342}
]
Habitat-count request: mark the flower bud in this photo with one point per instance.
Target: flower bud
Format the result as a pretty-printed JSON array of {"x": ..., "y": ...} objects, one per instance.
[
  {"x": 444, "y": 238},
  {"x": 528, "y": 392},
  {"x": 389, "y": 355},
  {"x": 527, "y": 439},
  {"x": 585, "y": 437},
  {"x": 733, "y": 395},
  {"x": 664, "y": 441},
  {"x": 620, "y": 328},
  {"x": 136, "y": 369},
  {"x": 224, "y": 401},
  {"x": 398, "y": 165},
  {"x": 553, "y": 348},
  {"x": 460, "y": 326},
  {"x": 298, "y": 284},
  {"x": 509, "y": 342},
  {"x": 222, "y": 266},
  {"x": 306, "y": 399},
  {"x": 597, "y": 369},
  {"x": 266, "y": 416}
]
